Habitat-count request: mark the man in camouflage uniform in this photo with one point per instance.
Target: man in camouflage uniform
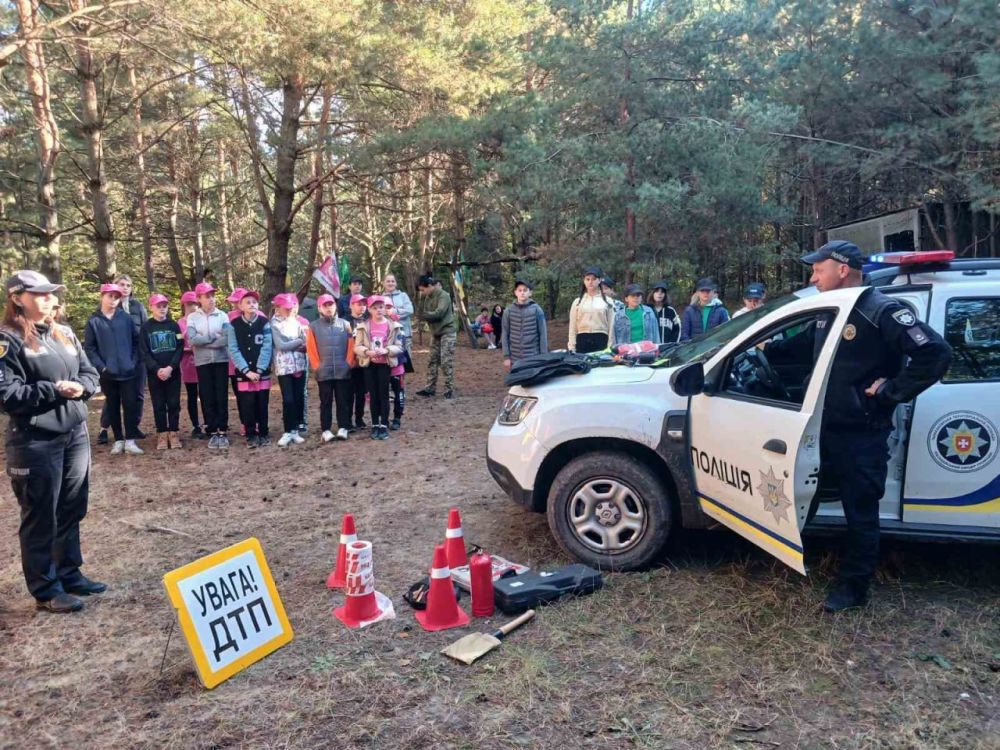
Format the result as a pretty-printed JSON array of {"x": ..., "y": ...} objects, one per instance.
[{"x": 436, "y": 310}]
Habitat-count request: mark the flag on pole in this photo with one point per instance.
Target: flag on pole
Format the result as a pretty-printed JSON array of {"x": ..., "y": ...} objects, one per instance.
[{"x": 326, "y": 274}]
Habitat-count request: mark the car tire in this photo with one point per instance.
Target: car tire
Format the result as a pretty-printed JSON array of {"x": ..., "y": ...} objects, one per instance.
[{"x": 610, "y": 511}]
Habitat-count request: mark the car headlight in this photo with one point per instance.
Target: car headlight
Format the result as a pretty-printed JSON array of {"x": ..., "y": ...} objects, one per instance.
[{"x": 515, "y": 409}]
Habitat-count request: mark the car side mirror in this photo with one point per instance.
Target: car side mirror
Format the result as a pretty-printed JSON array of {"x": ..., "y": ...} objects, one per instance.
[{"x": 689, "y": 380}]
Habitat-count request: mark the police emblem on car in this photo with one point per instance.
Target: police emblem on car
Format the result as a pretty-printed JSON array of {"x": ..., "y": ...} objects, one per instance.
[
  {"x": 962, "y": 441},
  {"x": 904, "y": 317},
  {"x": 772, "y": 489}
]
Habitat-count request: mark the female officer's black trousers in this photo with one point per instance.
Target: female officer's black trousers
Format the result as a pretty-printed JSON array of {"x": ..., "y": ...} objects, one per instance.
[{"x": 50, "y": 475}]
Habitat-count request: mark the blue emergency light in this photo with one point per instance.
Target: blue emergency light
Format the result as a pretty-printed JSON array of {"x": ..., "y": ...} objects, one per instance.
[{"x": 908, "y": 258}]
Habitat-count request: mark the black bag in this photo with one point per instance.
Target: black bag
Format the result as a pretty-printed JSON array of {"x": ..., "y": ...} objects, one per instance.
[
  {"x": 530, "y": 589},
  {"x": 542, "y": 367}
]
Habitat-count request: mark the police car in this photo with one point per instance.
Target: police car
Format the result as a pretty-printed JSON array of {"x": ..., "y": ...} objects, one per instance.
[{"x": 622, "y": 457}]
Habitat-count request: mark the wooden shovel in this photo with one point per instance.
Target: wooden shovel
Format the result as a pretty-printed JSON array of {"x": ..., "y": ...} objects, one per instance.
[{"x": 470, "y": 647}]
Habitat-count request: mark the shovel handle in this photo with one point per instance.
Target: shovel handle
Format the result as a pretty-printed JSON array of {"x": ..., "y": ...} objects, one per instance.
[{"x": 515, "y": 623}]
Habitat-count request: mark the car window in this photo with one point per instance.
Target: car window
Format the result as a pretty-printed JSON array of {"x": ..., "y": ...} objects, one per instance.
[
  {"x": 702, "y": 347},
  {"x": 972, "y": 327},
  {"x": 776, "y": 366}
]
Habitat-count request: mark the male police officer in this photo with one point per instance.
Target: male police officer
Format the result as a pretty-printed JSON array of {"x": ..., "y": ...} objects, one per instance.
[{"x": 868, "y": 379}]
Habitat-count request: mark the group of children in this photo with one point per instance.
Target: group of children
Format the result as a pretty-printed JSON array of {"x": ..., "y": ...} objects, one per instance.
[{"x": 210, "y": 351}]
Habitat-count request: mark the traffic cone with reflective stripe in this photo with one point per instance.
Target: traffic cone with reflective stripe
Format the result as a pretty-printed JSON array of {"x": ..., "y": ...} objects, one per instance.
[
  {"x": 454, "y": 541},
  {"x": 337, "y": 578},
  {"x": 363, "y": 605},
  {"x": 442, "y": 611}
]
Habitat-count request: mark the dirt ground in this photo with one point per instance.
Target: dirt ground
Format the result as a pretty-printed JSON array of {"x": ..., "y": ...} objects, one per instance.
[{"x": 718, "y": 647}]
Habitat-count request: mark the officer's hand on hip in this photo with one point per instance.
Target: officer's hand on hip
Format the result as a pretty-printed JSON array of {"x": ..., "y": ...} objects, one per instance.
[{"x": 873, "y": 389}]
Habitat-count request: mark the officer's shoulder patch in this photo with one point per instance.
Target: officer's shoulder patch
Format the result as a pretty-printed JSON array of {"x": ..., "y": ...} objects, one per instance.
[
  {"x": 904, "y": 317},
  {"x": 4, "y": 346}
]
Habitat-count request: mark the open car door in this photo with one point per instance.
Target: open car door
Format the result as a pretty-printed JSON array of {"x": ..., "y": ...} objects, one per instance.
[{"x": 754, "y": 441}]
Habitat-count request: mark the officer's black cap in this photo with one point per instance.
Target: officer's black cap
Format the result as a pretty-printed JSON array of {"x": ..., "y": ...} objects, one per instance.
[
  {"x": 841, "y": 251},
  {"x": 634, "y": 289},
  {"x": 31, "y": 281},
  {"x": 593, "y": 271},
  {"x": 706, "y": 283},
  {"x": 608, "y": 282},
  {"x": 754, "y": 291},
  {"x": 522, "y": 282},
  {"x": 356, "y": 280},
  {"x": 425, "y": 280},
  {"x": 661, "y": 284}
]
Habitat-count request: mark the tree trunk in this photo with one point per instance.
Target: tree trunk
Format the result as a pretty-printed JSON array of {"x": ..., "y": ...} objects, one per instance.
[
  {"x": 227, "y": 242},
  {"x": 46, "y": 139},
  {"x": 195, "y": 193},
  {"x": 458, "y": 191},
  {"x": 623, "y": 119},
  {"x": 950, "y": 226},
  {"x": 318, "y": 170},
  {"x": 142, "y": 198},
  {"x": 287, "y": 152},
  {"x": 92, "y": 126},
  {"x": 172, "y": 248}
]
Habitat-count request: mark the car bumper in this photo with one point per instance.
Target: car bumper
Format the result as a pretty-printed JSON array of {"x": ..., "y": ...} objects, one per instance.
[{"x": 514, "y": 457}]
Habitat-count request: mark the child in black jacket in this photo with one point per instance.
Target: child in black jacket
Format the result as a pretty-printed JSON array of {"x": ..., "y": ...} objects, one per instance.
[{"x": 161, "y": 344}]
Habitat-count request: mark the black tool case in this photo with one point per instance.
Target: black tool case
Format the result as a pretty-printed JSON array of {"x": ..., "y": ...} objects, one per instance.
[{"x": 516, "y": 594}]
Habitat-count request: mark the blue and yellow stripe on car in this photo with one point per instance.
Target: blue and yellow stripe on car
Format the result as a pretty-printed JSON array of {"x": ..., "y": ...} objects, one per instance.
[
  {"x": 984, "y": 500},
  {"x": 786, "y": 550}
]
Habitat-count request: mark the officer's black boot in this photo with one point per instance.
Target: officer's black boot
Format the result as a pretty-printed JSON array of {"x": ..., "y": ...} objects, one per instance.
[{"x": 846, "y": 594}]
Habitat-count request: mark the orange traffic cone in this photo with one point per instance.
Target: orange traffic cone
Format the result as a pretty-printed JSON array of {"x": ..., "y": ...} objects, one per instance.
[
  {"x": 364, "y": 605},
  {"x": 454, "y": 541},
  {"x": 442, "y": 610},
  {"x": 348, "y": 534}
]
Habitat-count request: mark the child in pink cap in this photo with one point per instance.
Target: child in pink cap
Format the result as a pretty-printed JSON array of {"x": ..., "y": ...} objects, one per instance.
[
  {"x": 161, "y": 345},
  {"x": 250, "y": 348},
  {"x": 189, "y": 373},
  {"x": 208, "y": 334},
  {"x": 359, "y": 315},
  {"x": 289, "y": 336},
  {"x": 378, "y": 344}
]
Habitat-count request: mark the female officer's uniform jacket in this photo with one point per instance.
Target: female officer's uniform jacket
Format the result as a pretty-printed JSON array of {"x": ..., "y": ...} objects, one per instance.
[{"x": 28, "y": 378}]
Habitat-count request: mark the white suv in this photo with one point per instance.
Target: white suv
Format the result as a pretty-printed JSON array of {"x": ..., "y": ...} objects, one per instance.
[{"x": 621, "y": 457}]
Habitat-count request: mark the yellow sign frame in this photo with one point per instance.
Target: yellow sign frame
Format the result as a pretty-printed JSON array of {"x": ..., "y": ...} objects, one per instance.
[{"x": 171, "y": 581}]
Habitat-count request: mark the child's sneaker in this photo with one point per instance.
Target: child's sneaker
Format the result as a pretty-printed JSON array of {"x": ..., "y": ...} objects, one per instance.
[
  {"x": 118, "y": 447},
  {"x": 263, "y": 441},
  {"x": 383, "y": 433},
  {"x": 221, "y": 441},
  {"x": 375, "y": 432},
  {"x": 395, "y": 424},
  {"x": 174, "y": 440},
  {"x": 297, "y": 437},
  {"x": 102, "y": 437},
  {"x": 327, "y": 436},
  {"x": 284, "y": 440},
  {"x": 162, "y": 441},
  {"x": 252, "y": 441},
  {"x": 198, "y": 434},
  {"x": 131, "y": 447},
  {"x": 342, "y": 433},
  {"x": 303, "y": 430}
]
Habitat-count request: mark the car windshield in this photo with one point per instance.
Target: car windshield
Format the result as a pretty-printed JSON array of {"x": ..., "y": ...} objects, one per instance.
[{"x": 704, "y": 346}]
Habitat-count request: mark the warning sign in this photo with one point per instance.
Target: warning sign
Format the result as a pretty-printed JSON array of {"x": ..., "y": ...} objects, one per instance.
[{"x": 229, "y": 610}]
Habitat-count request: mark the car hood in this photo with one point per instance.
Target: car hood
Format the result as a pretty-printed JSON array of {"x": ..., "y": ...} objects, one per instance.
[{"x": 599, "y": 377}]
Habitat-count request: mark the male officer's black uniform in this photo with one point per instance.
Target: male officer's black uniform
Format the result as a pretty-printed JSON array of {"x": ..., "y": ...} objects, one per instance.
[
  {"x": 882, "y": 339},
  {"x": 48, "y": 452}
]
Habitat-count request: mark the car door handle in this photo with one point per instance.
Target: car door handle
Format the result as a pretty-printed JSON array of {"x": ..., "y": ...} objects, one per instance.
[{"x": 776, "y": 446}]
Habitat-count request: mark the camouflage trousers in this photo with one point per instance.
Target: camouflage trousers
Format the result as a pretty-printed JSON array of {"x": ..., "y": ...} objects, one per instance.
[{"x": 442, "y": 356}]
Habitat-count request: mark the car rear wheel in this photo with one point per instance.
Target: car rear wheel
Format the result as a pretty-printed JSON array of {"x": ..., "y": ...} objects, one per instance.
[{"x": 610, "y": 511}]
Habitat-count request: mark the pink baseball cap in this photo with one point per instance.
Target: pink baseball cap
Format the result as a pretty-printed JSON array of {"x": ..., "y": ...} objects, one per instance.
[
  {"x": 188, "y": 298},
  {"x": 157, "y": 299},
  {"x": 376, "y": 299},
  {"x": 286, "y": 300},
  {"x": 359, "y": 298},
  {"x": 204, "y": 288},
  {"x": 112, "y": 289},
  {"x": 325, "y": 299},
  {"x": 237, "y": 294}
]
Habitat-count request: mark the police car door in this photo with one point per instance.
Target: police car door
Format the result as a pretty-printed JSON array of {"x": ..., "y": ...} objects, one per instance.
[{"x": 755, "y": 449}]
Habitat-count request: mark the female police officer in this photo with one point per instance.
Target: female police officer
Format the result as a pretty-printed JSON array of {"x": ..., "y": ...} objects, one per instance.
[{"x": 44, "y": 379}]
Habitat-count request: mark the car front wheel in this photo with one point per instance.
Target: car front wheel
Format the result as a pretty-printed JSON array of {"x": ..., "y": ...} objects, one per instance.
[{"x": 610, "y": 511}]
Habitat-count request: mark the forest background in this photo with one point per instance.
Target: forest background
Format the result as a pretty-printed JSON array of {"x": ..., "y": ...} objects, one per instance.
[{"x": 677, "y": 139}]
